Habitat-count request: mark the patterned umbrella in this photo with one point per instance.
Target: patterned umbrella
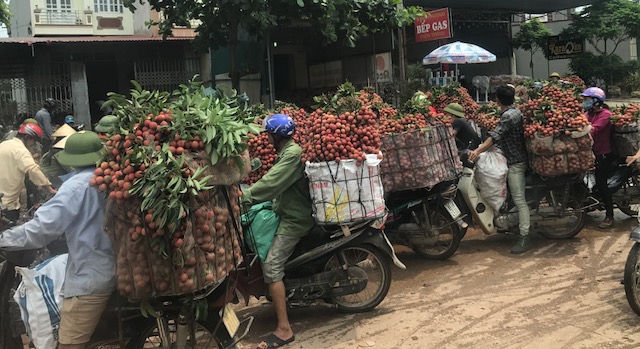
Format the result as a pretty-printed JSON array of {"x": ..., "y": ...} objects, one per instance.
[{"x": 459, "y": 53}]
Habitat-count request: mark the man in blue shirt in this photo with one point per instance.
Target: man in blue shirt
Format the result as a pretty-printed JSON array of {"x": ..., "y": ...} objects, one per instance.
[{"x": 77, "y": 210}]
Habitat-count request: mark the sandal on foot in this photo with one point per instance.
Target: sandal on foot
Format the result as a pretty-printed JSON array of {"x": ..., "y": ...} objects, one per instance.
[{"x": 274, "y": 341}]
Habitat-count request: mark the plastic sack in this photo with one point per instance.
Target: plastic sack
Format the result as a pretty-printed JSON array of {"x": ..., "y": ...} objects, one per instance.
[
  {"x": 263, "y": 223},
  {"x": 491, "y": 176},
  {"x": 39, "y": 296},
  {"x": 541, "y": 145},
  {"x": 346, "y": 192}
]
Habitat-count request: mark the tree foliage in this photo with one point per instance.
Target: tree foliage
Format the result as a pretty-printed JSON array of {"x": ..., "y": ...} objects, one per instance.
[
  {"x": 220, "y": 21},
  {"x": 605, "y": 25},
  {"x": 606, "y": 22},
  {"x": 4, "y": 13},
  {"x": 532, "y": 37}
]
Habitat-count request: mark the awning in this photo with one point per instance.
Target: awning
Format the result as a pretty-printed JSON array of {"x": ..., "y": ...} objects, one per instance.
[
  {"x": 517, "y": 6},
  {"x": 80, "y": 39}
]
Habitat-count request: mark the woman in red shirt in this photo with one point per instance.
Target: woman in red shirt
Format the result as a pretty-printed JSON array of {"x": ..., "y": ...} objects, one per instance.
[{"x": 599, "y": 117}]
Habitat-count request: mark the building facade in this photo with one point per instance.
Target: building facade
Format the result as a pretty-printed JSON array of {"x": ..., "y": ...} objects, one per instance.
[
  {"x": 77, "y": 51},
  {"x": 557, "y": 21}
]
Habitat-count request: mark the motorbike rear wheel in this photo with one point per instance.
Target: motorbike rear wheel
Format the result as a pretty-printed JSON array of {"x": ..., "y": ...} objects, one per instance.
[
  {"x": 150, "y": 337},
  {"x": 376, "y": 264},
  {"x": 632, "y": 278},
  {"x": 572, "y": 212},
  {"x": 448, "y": 235}
]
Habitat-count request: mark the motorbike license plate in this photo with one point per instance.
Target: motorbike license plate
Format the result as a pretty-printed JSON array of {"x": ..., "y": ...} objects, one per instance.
[
  {"x": 230, "y": 320},
  {"x": 452, "y": 208}
]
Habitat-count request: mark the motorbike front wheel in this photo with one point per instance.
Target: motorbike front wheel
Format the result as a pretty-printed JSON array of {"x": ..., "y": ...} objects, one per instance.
[
  {"x": 632, "y": 278},
  {"x": 377, "y": 266},
  {"x": 448, "y": 238},
  {"x": 7, "y": 340}
]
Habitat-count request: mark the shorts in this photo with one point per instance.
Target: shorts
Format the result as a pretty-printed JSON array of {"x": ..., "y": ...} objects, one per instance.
[
  {"x": 281, "y": 249},
  {"x": 80, "y": 316}
]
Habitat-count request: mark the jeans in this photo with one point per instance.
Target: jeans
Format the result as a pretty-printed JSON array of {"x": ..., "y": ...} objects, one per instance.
[
  {"x": 603, "y": 170},
  {"x": 516, "y": 180}
]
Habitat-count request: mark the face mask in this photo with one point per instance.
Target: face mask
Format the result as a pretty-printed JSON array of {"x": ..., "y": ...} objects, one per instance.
[{"x": 587, "y": 104}]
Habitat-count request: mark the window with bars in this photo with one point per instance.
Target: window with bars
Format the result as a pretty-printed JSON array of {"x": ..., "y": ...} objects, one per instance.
[
  {"x": 59, "y": 5},
  {"x": 107, "y": 6}
]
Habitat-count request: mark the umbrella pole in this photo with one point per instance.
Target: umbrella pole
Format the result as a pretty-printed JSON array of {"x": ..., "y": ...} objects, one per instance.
[{"x": 457, "y": 80}]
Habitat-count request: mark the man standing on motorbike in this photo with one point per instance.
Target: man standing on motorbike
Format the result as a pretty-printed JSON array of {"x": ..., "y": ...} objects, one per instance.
[
  {"x": 509, "y": 137},
  {"x": 19, "y": 163},
  {"x": 77, "y": 211},
  {"x": 599, "y": 116},
  {"x": 466, "y": 136},
  {"x": 287, "y": 185}
]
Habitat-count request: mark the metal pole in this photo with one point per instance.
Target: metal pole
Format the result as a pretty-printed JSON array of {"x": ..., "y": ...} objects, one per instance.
[
  {"x": 270, "y": 72},
  {"x": 375, "y": 76}
]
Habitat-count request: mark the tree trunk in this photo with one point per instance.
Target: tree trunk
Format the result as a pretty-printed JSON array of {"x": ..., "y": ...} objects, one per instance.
[
  {"x": 531, "y": 64},
  {"x": 233, "y": 54}
]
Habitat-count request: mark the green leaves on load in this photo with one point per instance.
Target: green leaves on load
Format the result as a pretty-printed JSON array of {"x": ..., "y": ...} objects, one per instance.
[{"x": 218, "y": 116}]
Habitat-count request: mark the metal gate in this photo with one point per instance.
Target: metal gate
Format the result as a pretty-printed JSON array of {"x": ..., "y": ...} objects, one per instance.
[
  {"x": 165, "y": 74},
  {"x": 24, "y": 87}
]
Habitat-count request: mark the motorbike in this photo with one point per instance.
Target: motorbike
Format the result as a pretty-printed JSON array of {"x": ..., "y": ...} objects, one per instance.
[
  {"x": 428, "y": 221},
  {"x": 556, "y": 205},
  {"x": 632, "y": 273},
  {"x": 624, "y": 183},
  {"x": 176, "y": 322},
  {"x": 348, "y": 267}
]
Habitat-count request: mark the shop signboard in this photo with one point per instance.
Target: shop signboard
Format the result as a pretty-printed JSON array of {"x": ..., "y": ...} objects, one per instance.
[
  {"x": 434, "y": 25},
  {"x": 327, "y": 74},
  {"x": 564, "y": 47},
  {"x": 316, "y": 75},
  {"x": 384, "y": 67},
  {"x": 333, "y": 73}
]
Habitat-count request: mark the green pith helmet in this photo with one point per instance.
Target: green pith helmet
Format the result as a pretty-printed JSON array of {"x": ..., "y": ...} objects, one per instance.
[
  {"x": 82, "y": 149},
  {"x": 107, "y": 124},
  {"x": 30, "y": 121},
  {"x": 554, "y": 75},
  {"x": 455, "y": 109}
]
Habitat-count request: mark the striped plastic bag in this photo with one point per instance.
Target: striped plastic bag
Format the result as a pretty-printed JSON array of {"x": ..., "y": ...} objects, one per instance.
[{"x": 40, "y": 298}]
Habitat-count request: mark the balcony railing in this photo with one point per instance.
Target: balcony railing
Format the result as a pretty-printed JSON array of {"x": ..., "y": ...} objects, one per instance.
[{"x": 62, "y": 17}]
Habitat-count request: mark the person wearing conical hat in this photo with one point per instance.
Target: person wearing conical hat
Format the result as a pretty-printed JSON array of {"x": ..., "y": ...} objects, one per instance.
[
  {"x": 77, "y": 212},
  {"x": 49, "y": 162}
]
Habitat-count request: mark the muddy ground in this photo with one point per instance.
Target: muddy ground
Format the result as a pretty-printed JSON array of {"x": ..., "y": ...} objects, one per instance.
[{"x": 562, "y": 294}]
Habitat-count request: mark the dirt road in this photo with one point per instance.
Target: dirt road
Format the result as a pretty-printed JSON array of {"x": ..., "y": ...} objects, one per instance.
[{"x": 562, "y": 294}]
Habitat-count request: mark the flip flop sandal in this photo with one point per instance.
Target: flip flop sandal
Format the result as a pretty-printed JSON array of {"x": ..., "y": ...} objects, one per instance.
[{"x": 274, "y": 341}]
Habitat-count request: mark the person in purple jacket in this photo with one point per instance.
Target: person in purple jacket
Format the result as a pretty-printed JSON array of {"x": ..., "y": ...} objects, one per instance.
[{"x": 599, "y": 117}]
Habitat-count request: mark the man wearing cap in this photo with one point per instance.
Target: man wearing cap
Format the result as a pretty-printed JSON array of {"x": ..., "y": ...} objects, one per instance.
[
  {"x": 106, "y": 126},
  {"x": 466, "y": 136},
  {"x": 18, "y": 163},
  {"x": 77, "y": 211},
  {"x": 554, "y": 77}
]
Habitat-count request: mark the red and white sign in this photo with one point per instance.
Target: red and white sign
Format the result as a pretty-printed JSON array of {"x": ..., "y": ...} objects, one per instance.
[{"x": 434, "y": 25}]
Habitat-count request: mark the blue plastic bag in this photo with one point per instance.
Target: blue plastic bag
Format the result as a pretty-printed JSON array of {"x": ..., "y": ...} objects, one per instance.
[{"x": 260, "y": 224}]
